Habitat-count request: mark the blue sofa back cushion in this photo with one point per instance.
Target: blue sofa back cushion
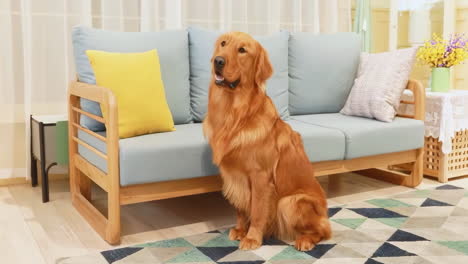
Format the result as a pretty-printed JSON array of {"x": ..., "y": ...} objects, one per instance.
[
  {"x": 201, "y": 43},
  {"x": 172, "y": 47},
  {"x": 322, "y": 69}
]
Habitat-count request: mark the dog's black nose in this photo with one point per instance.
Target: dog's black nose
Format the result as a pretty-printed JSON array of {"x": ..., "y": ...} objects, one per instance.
[{"x": 219, "y": 62}]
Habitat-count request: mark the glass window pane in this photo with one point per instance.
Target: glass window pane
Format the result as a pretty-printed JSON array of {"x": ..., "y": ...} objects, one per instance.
[
  {"x": 380, "y": 16},
  {"x": 418, "y": 20},
  {"x": 461, "y": 26}
]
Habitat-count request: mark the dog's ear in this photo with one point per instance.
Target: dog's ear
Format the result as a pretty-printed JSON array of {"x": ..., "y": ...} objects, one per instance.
[{"x": 263, "y": 66}]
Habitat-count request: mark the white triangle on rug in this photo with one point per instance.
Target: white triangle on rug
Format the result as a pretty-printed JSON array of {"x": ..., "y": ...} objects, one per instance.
[
  {"x": 383, "y": 234},
  {"x": 201, "y": 239},
  {"x": 436, "y": 234},
  {"x": 400, "y": 260},
  {"x": 366, "y": 249},
  {"x": 143, "y": 256},
  {"x": 165, "y": 254},
  {"x": 341, "y": 261},
  {"x": 240, "y": 255},
  {"x": 340, "y": 251},
  {"x": 371, "y": 224},
  {"x": 345, "y": 214},
  {"x": 433, "y": 211},
  {"x": 426, "y": 248},
  {"x": 405, "y": 211},
  {"x": 452, "y": 197},
  {"x": 92, "y": 258},
  {"x": 207, "y": 262},
  {"x": 456, "y": 223},
  {"x": 361, "y": 204},
  {"x": 463, "y": 203},
  {"x": 296, "y": 261},
  {"x": 412, "y": 201},
  {"x": 338, "y": 227},
  {"x": 267, "y": 252},
  {"x": 458, "y": 211},
  {"x": 412, "y": 194},
  {"x": 351, "y": 236},
  {"x": 448, "y": 259}
]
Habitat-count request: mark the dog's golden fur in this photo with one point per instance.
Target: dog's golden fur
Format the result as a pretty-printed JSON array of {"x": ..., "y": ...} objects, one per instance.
[{"x": 265, "y": 170}]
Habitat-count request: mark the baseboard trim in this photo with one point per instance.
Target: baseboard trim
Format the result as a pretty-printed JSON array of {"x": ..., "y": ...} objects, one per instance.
[
  {"x": 13, "y": 181},
  {"x": 23, "y": 180}
]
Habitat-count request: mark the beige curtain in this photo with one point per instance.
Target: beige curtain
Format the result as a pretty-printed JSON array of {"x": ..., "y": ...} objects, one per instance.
[{"x": 36, "y": 52}]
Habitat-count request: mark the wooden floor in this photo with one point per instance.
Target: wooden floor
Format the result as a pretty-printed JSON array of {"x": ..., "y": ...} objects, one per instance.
[{"x": 33, "y": 232}]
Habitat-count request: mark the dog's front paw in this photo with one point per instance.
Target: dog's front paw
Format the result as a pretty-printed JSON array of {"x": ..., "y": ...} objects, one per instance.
[
  {"x": 304, "y": 244},
  {"x": 237, "y": 234},
  {"x": 249, "y": 244}
]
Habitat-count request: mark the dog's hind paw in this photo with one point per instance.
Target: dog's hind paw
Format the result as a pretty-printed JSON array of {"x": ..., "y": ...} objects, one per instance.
[
  {"x": 305, "y": 243},
  {"x": 237, "y": 234}
]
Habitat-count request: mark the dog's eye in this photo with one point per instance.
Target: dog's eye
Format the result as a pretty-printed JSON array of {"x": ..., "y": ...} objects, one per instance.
[
  {"x": 242, "y": 50},
  {"x": 223, "y": 43}
]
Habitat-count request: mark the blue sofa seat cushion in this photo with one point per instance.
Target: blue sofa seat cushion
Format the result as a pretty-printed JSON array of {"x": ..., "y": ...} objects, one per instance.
[
  {"x": 322, "y": 69},
  {"x": 157, "y": 157},
  {"x": 172, "y": 47},
  {"x": 185, "y": 153},
  {"x": 201, "y": 43},
  {"x": 367, "y": 137},
  {"x": 320, "y": 143}
]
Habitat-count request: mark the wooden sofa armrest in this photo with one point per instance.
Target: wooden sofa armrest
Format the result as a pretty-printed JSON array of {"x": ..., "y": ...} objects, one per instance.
[
  {"x": 106, "y": 99},
  {"x": 82, "y": 173},
  {"x": 419, "y": 95}
]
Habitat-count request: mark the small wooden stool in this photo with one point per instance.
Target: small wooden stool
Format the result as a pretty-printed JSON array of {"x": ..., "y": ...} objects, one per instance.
[
  {"x": 446, "y": 166},
  {"x": 446, "y": 133}
]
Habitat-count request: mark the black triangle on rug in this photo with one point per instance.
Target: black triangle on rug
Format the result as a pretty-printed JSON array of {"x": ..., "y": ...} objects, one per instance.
[
  {"x": 376, "y": 212},
  {"x": 114, "y": 255},
  {"x": 431, "y": 202},
  {"x": 243, "y": 262},
  {"x": 372, "y": 261},
  {"x": 319, "y": 250},
  {"x": 273, "y": 242},
  {"x": 403, "y": 236},
  {"x": 389, "y": 250},
  {"x": 217, "y": 253},
  {"x": 448, "y": 187},
  {"x": 333, "y": 210}
]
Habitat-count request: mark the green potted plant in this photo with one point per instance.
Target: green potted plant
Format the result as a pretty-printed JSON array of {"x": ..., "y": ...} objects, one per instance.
[{"x": 441, "y": 54}]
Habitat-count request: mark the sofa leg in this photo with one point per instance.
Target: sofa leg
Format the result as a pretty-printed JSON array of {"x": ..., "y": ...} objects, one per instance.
[
  {"x": 74, "y": 174},
  {"x": 416, "y": 175},
  {"x": 108, "y": 228},
  {"x": 80, "y": 187},
  {"x": 113, "y": 217}
]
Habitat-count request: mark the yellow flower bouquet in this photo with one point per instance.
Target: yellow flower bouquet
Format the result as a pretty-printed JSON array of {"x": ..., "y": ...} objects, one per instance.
[{"x": 441, "y": 54}]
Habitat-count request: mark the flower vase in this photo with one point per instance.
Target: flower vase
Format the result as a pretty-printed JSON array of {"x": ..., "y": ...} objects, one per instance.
[{"x": 440, "y": 80}]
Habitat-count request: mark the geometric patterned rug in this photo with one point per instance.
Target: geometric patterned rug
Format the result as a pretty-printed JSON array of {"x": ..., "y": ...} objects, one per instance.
[{"x": 421, "y": 226}]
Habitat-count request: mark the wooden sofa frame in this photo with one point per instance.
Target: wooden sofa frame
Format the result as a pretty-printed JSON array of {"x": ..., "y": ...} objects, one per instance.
[{"x": 83, "y": 173}]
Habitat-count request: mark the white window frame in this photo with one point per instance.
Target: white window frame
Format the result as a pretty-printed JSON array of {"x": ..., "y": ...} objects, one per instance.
[{"x": 449, "y": 21}]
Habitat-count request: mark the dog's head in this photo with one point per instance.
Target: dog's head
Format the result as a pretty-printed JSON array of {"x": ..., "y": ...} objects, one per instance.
[{"x": 239, "y": 60}]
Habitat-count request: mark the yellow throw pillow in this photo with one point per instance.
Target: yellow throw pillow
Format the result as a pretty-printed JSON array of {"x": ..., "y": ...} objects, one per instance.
[{"x": 135, "y": 79}]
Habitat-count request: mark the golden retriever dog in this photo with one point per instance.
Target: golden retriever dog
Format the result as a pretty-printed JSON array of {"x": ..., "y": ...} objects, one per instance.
[{"x": 266, "y": 173}]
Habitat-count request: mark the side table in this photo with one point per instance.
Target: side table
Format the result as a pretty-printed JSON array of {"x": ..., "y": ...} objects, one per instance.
[
  {"x": 49, "y": 145},
  {"x": 446, "y": 133}
]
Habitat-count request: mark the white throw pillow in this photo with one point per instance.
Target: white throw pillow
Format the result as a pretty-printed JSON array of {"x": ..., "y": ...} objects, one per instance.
[{"x": 381, "y": 79}]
